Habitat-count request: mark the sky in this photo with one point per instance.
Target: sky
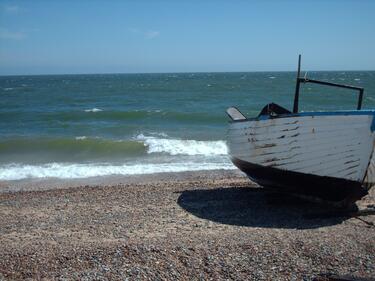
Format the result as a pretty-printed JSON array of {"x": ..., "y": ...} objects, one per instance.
[{"x": 73, "y": 37}]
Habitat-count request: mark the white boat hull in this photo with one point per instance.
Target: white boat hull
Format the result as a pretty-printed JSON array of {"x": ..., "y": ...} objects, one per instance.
[{"x": 328, "y": 147}]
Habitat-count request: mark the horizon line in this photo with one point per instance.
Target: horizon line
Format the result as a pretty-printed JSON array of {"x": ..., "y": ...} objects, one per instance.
[{"x": 181, "y": 72}]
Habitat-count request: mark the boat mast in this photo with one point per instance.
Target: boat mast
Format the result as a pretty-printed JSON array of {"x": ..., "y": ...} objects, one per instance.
[
  {"x": 307, "y": 80},
  {"x": 298, "y": 81}
]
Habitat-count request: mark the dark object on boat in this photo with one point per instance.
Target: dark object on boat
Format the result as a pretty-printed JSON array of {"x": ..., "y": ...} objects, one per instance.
[
  {"x": 324, "y": 155},
  {"x": 273, "y": 109}
]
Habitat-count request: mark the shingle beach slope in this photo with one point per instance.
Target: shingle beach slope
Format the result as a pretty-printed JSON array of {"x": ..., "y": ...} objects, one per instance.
[{"x": 214, "y": 225}]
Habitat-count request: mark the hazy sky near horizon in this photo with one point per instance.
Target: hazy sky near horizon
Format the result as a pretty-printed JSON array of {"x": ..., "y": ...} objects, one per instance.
[{"x": 63, "y": 37}]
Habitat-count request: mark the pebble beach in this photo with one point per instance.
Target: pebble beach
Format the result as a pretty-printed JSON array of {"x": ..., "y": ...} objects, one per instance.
[{"x": 214, "y": 225}]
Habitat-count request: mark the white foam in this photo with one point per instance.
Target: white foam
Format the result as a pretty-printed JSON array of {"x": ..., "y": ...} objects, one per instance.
[
  {"x": 357, "y": 79},
  {"x": 185, "y": 147},
  {"x": 81, "y": 138},
  {"x": 153, "y": 134},
  {"x": 93, "y": 110},
  {"x": 272, "y": 77},
  {"x": 70, "y": 171}
]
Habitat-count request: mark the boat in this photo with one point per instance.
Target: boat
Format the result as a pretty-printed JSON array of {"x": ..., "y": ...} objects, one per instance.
[{"x": 323, "y": 155}]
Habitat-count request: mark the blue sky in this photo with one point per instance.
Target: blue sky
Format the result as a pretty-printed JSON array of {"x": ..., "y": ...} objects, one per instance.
[{"x": 58, "y": 37}]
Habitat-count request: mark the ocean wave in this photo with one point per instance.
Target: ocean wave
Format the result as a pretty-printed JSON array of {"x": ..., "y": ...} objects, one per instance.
[
  {"x": 159, "y": 115},
  {"x": 86, "y": 148},
  {"x": 93, "y": 110},
  {"x": 64, "y": 149},
  {"x": 70, "y": 171},
  {"x": 185, "y": 147}
]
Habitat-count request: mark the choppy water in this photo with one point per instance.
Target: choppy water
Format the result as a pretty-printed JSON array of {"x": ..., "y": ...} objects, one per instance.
[{"x": 72, "y": 126}]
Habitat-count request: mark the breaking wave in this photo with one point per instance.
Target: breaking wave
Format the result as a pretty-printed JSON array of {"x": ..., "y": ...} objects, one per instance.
[
  {"x": 83, "y": 156},
  {"x": 71, "y": 171},
  {"x": 186, "y": 147},
  {"x": 82, "y": 149}
]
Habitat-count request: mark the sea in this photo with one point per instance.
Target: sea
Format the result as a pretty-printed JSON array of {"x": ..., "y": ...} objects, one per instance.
[{"x": 78, "y": 126}]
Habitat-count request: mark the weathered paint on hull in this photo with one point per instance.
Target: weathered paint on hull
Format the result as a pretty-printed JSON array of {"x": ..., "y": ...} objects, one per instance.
[{"x": 326, "y": 156}]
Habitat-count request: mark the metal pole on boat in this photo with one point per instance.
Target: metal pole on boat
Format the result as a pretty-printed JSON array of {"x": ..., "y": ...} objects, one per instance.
[
  {"x": 360, "y": 99},
  {"x": 361, "y": 90},
  {"x": 296, "y": 95}
]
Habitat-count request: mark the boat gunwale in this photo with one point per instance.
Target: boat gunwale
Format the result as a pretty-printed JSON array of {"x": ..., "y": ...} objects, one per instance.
[{"x": 369, "y": 112}]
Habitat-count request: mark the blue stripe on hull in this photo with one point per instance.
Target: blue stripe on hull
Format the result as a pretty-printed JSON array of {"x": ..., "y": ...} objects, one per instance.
[{"x": 313, "y": 113}]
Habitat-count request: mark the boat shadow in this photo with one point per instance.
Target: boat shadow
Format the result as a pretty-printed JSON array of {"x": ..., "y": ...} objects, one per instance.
[{"x": 256, "y": 207}]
